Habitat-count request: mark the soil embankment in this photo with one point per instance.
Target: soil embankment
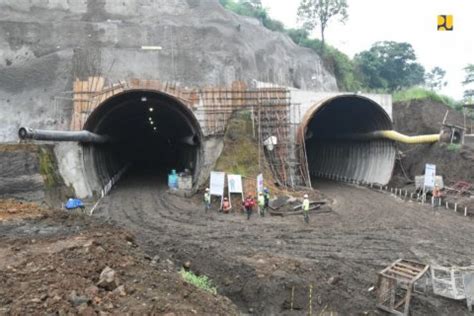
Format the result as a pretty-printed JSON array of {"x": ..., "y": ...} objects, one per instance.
[
  {"x": 426, "y": 117},
  {"x": 53, "y": 265}
]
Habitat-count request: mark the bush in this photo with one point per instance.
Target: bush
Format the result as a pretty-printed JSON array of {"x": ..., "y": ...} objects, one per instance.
[
  {"x": 417, "y": 93},
  {"x": 201, "y": 282}
]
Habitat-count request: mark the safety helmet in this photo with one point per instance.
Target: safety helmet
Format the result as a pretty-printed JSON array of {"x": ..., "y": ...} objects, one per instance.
[
  {"x": 207, "y": 189},
  {"x": 260, "y": 193},
  {"x": 225, "y": 199},
  {"x": 306, "y": 195}
]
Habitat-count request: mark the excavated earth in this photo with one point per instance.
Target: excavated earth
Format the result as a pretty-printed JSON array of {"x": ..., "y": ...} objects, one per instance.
[
  {"x": 51, "y": 265},
  {"x": 258, "y": 263}
]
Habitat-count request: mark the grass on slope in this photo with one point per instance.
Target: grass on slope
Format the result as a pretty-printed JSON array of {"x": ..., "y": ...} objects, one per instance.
[
  {"x": 240, "y": 154},
  {"x": 417, "y": 93}
]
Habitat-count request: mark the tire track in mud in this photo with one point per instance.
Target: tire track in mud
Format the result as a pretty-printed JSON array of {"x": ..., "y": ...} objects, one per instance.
[{"x": 366, "y": 231}]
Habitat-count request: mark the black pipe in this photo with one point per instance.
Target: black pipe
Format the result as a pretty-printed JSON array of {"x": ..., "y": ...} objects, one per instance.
[{"x": 62, "y": 136}]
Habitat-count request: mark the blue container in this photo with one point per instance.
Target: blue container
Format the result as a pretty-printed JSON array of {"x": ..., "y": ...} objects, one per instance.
[{"x": 173, "y": 180}]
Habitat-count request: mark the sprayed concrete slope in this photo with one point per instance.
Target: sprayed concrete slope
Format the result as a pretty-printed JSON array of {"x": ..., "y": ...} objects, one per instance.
[{"x": 45, "y": 45}]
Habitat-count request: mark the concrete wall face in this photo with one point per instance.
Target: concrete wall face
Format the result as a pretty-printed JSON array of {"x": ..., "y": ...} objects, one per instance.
[
  {"x": 302, "y": 101},
  {"x": 45, "y": 45}
]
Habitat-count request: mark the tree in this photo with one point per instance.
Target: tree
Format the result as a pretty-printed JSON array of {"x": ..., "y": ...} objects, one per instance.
[
  {"x": 469, "y": 83},
  {"x": 434, "y": 79},
  {"x": 319, "y": 12},
  {"x": 390, "y": 66}
]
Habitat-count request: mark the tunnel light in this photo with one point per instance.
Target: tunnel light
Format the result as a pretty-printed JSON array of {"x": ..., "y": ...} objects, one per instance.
[
  {"x": 150, "y": 118},
  {"x": 154, "y": 128},
  {"x": 143, "y": 99},
  {"x": 152, "y": 123},
  {"x": 151, "y": 47},
  {"x": 150, "y": 109}
]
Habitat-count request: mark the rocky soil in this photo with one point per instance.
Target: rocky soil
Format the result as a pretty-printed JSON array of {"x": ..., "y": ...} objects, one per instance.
[{"x": 67, "y": 264}]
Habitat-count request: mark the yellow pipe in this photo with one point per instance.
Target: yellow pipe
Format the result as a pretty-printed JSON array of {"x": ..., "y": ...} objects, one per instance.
[{"x": 402, "y": 138}]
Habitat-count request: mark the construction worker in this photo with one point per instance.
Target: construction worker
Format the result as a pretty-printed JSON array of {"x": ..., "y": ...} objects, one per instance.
[
  {"x": 248, "y": 204},
  {"x": 266, "y": 195},
  {"x": 226, "y": 206},
  {"x": 261, "y": 204},
  {"x": 437, "y": 195},
  {"x": 207, "y": 200},
  {"x": 305, "y": 208}
]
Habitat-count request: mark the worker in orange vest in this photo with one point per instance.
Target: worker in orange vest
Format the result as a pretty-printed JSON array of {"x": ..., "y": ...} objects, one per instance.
[{"x": 226, "y": 206}]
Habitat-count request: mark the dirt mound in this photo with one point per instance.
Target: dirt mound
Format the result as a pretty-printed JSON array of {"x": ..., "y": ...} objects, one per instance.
[
  {"x": 426, "y": 117},
  {"x": 12, "y": 209},
  {"x": 56, "y": 268}
]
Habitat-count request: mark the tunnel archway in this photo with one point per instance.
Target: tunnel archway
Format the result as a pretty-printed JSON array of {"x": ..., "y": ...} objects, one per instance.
[
  {"x": 332, "y": 153},
  {"x": 151, "y": 132}
]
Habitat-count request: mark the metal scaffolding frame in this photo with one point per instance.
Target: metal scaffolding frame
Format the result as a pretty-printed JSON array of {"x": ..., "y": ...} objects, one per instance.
[{"x": 213, "y": 107}]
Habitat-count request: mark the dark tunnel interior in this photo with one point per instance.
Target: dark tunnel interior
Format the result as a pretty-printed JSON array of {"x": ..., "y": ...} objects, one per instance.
[
  {"x": 151, "y": 133},
  {"x": 331, "y": 154}
]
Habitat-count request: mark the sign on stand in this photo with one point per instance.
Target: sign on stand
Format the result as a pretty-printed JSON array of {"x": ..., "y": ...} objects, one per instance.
[
  {"x": 260, "y": 183},
  {"x": 430, "y": 176},
  {"x": 235, "y": 185},
  {"x": 217, "y": 184}
]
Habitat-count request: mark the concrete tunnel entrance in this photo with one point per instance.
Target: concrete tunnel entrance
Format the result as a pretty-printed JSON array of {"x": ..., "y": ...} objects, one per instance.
[
  {"x": 151, "y": 132},
  {"x": 331, "y": 152}
]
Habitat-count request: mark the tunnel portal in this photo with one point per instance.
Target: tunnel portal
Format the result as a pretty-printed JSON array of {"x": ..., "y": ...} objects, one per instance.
[
  {"x": 332, "y": 153},
  {"x": 151, "y": 132}
]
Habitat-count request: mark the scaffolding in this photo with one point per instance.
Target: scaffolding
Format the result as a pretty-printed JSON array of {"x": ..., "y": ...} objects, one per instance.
[{"x": 213, "y": 107}]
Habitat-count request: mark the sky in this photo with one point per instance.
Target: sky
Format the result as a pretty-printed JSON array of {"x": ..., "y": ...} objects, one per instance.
[{"x": 412, "y": 21}]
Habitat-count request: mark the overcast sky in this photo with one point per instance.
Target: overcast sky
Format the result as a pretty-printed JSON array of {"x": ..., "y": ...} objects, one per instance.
[{"x": 412, "y": 21}]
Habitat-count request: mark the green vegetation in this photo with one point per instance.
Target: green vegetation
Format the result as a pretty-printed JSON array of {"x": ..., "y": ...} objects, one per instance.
[
  {"x": 434, "y": 80},
  {"x": 390, "y": 66},
  {"x": 469, "y": 83},
  {"x": 47, "y": 166},
  {"x": 315, "y": 13},
  {"x": 387, "y": 67},
  {"x": 253, "y": 8},
  {"x": 201, "y": 282},
  {"x": 240, "y": 154},
  {"x": 423, "y": 94},
  {"x": 454, "y": 147}
]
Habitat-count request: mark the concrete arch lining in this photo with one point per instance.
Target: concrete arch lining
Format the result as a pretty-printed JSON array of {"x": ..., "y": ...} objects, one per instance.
[{"x": 331, "y": 155}]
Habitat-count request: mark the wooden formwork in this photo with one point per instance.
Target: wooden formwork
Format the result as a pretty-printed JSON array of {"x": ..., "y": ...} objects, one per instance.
[{"x": 395, "y": 285}]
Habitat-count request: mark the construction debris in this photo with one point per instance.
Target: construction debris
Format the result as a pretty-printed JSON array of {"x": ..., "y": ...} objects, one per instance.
[
  {"x": 395, "y": 285},
  {"x": 454, "y": 283}
]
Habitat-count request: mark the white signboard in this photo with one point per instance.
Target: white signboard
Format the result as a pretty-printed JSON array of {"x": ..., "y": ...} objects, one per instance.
[
  {"x": 217, "y": 183},
  {"x": 430, "y": 175},
  {"x": 235, "y": 183},
  {"x": 260, "y": 183}
]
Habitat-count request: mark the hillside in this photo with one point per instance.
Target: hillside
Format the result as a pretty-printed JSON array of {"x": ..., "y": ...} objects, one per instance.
[
  {"x": 426, "y": 117},
  {"x": 45, "y": 45}
]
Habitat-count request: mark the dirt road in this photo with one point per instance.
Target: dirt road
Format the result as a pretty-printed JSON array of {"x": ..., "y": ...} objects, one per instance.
[{"x": 258, "y": 263}]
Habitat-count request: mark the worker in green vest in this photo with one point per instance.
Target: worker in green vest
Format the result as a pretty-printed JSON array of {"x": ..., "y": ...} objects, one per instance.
[
  {"x": 207, "y": 200},
  {"x": 266, "y": 195},
  {"x": 305, "y": 207},
  {"x": 261, "y": 204}
]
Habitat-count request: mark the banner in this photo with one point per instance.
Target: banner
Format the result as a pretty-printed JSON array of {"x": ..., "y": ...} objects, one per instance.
[
  {"x": 260, "y": 183},
  {"x": 430, "y": 175},
  {"x": 235, "y": 183},
  {"x": 216, "y": 186}
]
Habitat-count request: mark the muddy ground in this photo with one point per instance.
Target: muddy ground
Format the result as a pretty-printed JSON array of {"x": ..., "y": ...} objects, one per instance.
[
  {"x": 257, "y": 263},
  {"x": 51, "y": 265}
]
